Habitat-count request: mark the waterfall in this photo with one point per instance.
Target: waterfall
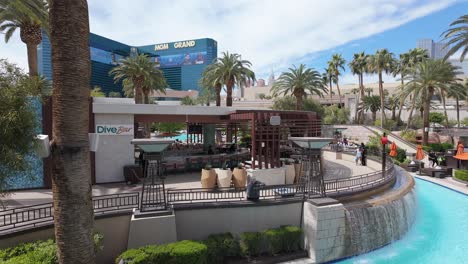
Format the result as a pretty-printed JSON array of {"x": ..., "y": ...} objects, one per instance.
[{"x": 373, "y": 226}]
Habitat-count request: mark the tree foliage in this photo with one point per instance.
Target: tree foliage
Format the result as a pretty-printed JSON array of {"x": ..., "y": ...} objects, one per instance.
[
  {"x": 18, "y": 123},
  {"x": 170, "y": 128},
  {"x": 289, "y": 103},
  {"x": 334, "y": 115},
  {"x": 299, "y": 81},
  {"x": 97, "y": 92},
  {"x": 458, "y": 37},
  {"x": 187, "y": 100}
]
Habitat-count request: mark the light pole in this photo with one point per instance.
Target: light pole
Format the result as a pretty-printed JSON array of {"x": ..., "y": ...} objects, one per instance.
[{"x": 384, "y": 141}]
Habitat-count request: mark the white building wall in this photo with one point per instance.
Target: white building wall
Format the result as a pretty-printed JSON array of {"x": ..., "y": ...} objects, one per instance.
[{"x": 114, "y": 151}]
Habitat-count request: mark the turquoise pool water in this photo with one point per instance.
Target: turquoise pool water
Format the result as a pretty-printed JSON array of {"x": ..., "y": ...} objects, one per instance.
[
  {"x": 181, "y": 137},
  {"x": 439, "y": 234}
]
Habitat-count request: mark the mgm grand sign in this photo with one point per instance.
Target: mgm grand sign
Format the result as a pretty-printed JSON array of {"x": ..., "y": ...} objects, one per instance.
[{"x": 176, "y": 45}]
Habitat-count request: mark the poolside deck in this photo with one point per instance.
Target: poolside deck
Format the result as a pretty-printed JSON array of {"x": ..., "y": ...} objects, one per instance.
[{"x": 333, "y": 169}]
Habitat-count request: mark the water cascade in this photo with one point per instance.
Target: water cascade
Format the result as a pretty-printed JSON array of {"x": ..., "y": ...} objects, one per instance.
[{"x": 371, "y": 227}]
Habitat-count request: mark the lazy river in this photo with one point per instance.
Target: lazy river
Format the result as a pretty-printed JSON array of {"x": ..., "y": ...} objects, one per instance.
[{"x": 438, "y": 235}]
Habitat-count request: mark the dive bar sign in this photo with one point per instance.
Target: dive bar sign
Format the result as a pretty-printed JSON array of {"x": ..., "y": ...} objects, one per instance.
[{"x": 115, "y": 130}]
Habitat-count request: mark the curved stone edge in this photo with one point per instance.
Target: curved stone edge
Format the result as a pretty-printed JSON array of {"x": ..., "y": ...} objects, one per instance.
[{"x": 335, "y": 231}]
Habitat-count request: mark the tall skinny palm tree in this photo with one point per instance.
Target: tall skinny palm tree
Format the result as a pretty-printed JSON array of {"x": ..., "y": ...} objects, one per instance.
[
  {"x": 381, "y": 62},
  {"x": 428, "y": 77},
  {"x": 232, "y": 70},
  {"x": 336, "y": 64},
  {"x": 458, "y": 37},
  {"x": 358, "y": 66},
  {"x": 407, "y": 62},
  {"x": 297, "y": 82},
  {"x": 212, "y": 80},
  {"x": 71, "y": 172},
  {"x": 29, "y": 16}
]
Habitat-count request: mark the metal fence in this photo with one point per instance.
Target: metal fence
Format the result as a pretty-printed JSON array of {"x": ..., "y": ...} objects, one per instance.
[{"x": 43, "y": 214}]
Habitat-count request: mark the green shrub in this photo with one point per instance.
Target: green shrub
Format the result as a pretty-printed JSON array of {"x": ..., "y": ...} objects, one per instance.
[
  {"x": 461, "y": 175},
  {"x": 409, "y": 135},
  {"x": 252, "y": 243},
  {"x": 274, "y": 240},
  {"x": 46, "y": 254},
  {"x": 180, "y": 252},
  {"x": 221, "y": 246},
  {"x": 24, "y": 249},
  {"x": 390, "y": 124},
  {"x": 283, "y": 239},
  {"x": 440, "y": 147},
  {"x": 401, "y": 155},
  {"x": 292, "y": 238}
]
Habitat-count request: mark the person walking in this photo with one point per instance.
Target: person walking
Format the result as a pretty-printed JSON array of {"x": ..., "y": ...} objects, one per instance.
[
  {"x": 363, "y": 154},
  {"x": 358, "y": 157}
]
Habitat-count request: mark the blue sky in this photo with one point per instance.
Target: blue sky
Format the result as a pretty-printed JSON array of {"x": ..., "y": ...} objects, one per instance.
[
  {"x": 272, "y": 34},
  {"x": 397, "y": 40}
]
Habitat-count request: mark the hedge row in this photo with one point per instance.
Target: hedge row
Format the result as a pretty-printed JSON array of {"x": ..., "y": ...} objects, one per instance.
[
  {"x": 217, "y": 247},
  {"x": 461, "y": 175},
  {"x": 44, "y": 252}
]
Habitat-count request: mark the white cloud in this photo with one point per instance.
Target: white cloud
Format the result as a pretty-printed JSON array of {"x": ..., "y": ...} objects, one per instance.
[{"x": 272, "y": 34}]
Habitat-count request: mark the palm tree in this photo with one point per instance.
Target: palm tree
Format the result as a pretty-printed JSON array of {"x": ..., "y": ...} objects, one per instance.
[
  {"x": 371, "y": 103},
  {"x": 369, "y": 91},
  {"x": 71, "y": 171},
  {"x": 330, "y": 79},
  {"x": 30, "y": 16},
  {"x": 212, "y": 79},
  {"x": 232, "y": 70},
  {"x": 428, "y": 77},
  {"x": 141, "y": 74},
  {"x": 458, "y": 91},
  {"x": 358, "y": 66},
  {"x": 298, "y": 81},
  {"x": 407, "y": 62},
  {"x": 337, "y": 62},
  {"x": 381, "y": 62},
  {"x": 457, "y": 35},
  {"x": 393, "y": 102}
]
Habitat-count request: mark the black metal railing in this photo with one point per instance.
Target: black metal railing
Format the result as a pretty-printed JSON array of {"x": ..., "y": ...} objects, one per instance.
[{"x": 43, "y": 214}]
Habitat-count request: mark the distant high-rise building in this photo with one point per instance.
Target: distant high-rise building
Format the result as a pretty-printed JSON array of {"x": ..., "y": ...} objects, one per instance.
[{"x": 435, "y": 50}]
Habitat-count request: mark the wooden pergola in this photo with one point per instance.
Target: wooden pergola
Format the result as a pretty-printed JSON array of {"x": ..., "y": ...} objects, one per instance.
[{"x": 266, "y": 137}]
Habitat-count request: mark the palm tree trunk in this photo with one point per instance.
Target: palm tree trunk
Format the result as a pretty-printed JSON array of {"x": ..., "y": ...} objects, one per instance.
[
  {"x": 442, "y": 94},
  {"x": 374, "y": 116},
  {"x": 218, "y": 94},
  {"x": 338, "y": 88},
  {"x": 382, "y": 103},
  {"x": 32, "y": 59},
  {"x": 402, "y": 100},
  {"x": 299, "y": 102},
  {"x": 393, "y": 113},
  {"x": 362, "y": 97},
  {"x": 458, "y": 112},
  {"x": 229, "y": 86},
  {"x": 410, "y": 117},
  {"x": 71, "y": 173},
  {"x": 331, "y": 91},
  {"x": 139, "y": 95},
  {"x": 427, "y": 105}
]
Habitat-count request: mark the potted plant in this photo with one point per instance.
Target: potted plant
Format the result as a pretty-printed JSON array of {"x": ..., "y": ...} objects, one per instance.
[
  {"x": 239, "y": 176},
  {"x": 224, "y": 176},
  {"x": 297, "y": 170},
  {"x": 208, "y": 177},
  {"x": 290, "y": 173}
]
